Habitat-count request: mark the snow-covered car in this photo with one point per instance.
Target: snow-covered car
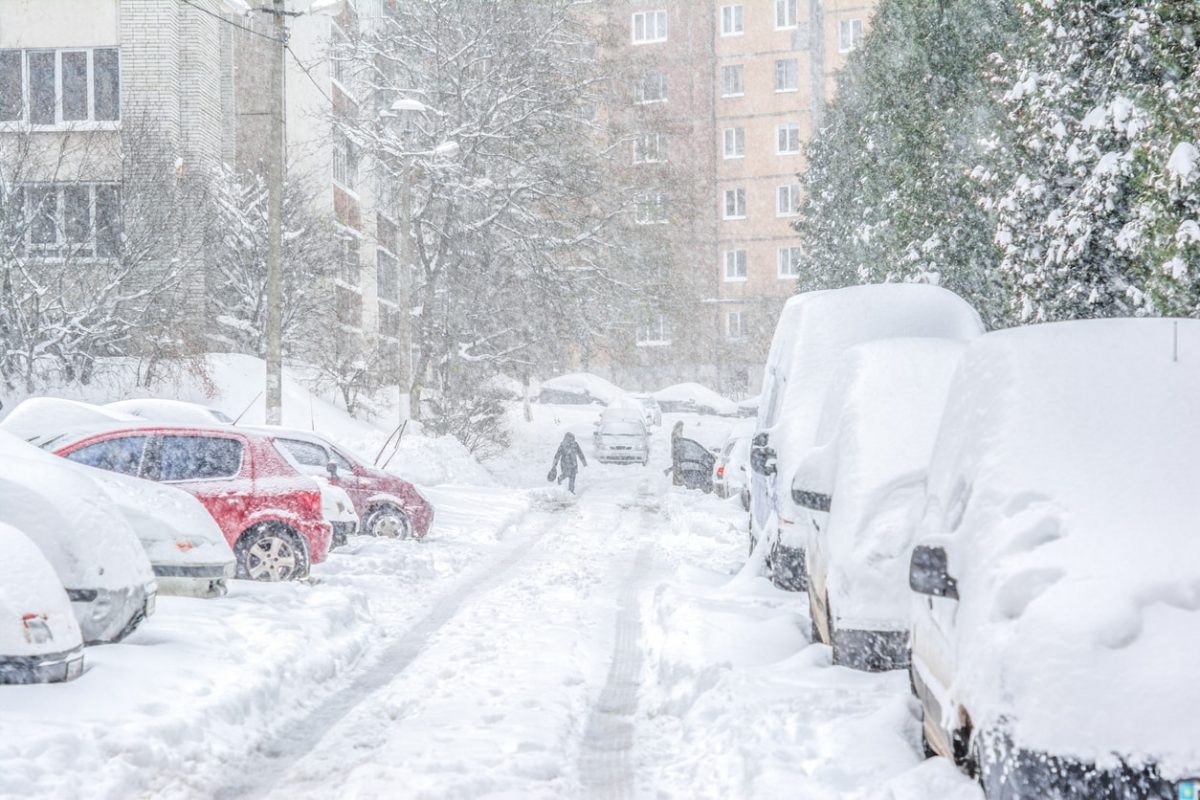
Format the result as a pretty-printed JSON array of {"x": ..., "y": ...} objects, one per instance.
[
  {"x": 40, "y": 641},
  {"x": 621, "y": 438},
  {"x": 694, "y": 398},
  {"x": 386, "y": 504},
  {"x": 578, "y": 388},
  {"x": 731, "y": 470},
  {"x": 186, "y": 548},
  {"x": 338, "y": 508},
  {"x": 90, "y": 544},
  {"x": 175, "y": 412},
  {"x": 32, "y": 417},
  {"x": 862, "y": 485},
  {"x": 644, "y": 406},
  {"x": 1054, "y": 643},
  {"x": 814, "y": 329}
]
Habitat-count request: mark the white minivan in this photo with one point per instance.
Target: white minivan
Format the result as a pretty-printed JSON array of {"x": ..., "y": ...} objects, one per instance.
[
  {"x": 813, "y": 331},
  {"x": 1056, "y": 576}
]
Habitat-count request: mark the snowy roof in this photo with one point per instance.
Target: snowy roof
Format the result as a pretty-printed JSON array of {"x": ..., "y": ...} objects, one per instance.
[
  {"x": 874, "y": 440},
  {"x": 171, "y": 411},
  {"x": 70, "y": 518},
  {"x": 584, "y": 383},
  {"x": 29, "y": 586},
  {"x": 39, "y": 415},
  {"x": 1065, "y": 474},
  {"x": 700, "y": 396}
]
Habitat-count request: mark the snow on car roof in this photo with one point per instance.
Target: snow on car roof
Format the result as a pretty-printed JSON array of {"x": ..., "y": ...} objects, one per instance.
[
  {"x": 30, "y": 586},
  {"x": 580, "y": 382},
  {"x": 70, "y": 518},
  {"x": 172, "y": 411},
  {"x": 1065, "y": 474},
  {"x": 38, "y": 415},
  {"x": 878, "y": 425},
  {"x": 698, "y": 394}
]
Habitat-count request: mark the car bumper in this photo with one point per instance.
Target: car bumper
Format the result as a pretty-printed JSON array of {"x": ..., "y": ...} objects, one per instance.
[
  {"x": 194, "y": 580},
  {"x": 622, "y": 457},
  {"x": 48, "y": 668},
  {"x": 106, "y": 616},
  {"x": 342, "y": 531}
]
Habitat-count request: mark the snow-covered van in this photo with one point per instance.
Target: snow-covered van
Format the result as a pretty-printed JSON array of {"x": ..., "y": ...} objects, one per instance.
[
  {"x": 40, "y": 640},
  {"x": 90, "y": 544},
  {"x": 1057, "y": 574},
  {"x": 186, "y": 548},
  {"x": 862, "y": 484},
  {"x": 813, "y": 331}
]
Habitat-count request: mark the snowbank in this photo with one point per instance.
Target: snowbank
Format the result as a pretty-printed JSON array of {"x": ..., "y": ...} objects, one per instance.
[
  {"x": 579, "y": 387},
  {"x": 694, "y": 397}
]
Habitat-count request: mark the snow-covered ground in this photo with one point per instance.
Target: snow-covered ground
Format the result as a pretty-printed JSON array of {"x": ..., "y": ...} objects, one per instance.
[{"x": 535, "y": 645}]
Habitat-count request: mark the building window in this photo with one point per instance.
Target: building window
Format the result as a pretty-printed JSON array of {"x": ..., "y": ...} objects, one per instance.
[
  {"x": 350, "y": 268},
  {"x": 651, "y": 209},
  {"x": 787, "y": 138},
  {"x": 735, "y": 265},
  {"x": 650, "y": 148},
  {"x": 850, "y": 35},
  {"x": 71, "y": 220},
  {"x": 789, "y": 262},
  {"x": 387, "y": 275},
  {"x": 787, "y": 202},
  {"x": 732, "y": 81},
  {"x": 731, "y": 20},
  {"x": 649, "y": 26},
  {"x": 345, "y": 162},
  {"x": 651, "y": 88},
  {"x": 787, "y": 75},
  {"x": 785, "y": 14},
  {"x": 735, "y": 142},
  {"x": 654, "y": 332},
  {"x": 60, "y": 87},
  {"x": 735, "y": 204},
  {"x": 735, "y": 324},
  {"x": 339, "y": 58}
]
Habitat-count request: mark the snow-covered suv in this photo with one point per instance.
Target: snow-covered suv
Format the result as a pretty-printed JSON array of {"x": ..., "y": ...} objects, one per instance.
[{"x": 1057, "y": 573}]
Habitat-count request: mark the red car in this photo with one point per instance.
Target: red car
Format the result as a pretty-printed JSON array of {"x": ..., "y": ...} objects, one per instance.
[
  {"x": 387, "y": 505},
  {"x": 270, "y": 513}
]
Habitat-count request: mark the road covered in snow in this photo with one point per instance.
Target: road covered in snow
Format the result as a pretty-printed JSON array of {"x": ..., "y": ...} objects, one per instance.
[{"x": 535, "y": 645}]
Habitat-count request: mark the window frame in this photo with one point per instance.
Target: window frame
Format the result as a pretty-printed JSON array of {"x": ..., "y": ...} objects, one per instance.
[
  {"x": 740, "y": 263},
  {"x": 733, "y": 69},
  {"x": 62, "y": 249},
  {"x": 738, "y": 194},
  {"x": 849, "y": 26},
  {"x": 651, "y": 202},
  {"x": 736, "y": 13},
  {"x": 24, "y": 119},
  {"x": 738, "y": 134},
  {"x": 639, "y": 89},
  {"x": 794, "y": 196},
  {"x": 788, "y": 128},
  {"x": 779, "y": 256},
  {"x": 793, "y": 73},
  {"x": 645, "y": 16},
  {"x": 656, "y": 154},
  {"x": 786, "y": 6},
  {"x": 740, "y": 333},
  {"x": 657, "y": 329}
]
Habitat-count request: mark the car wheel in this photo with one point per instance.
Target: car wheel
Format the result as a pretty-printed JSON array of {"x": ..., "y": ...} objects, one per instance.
[
  {"x": 270, "y": 553},
  {"x": 389, "y": 522}
]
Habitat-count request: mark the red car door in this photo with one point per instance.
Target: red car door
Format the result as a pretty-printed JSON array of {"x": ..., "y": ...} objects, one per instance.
[{"x": 213, "y": 468}]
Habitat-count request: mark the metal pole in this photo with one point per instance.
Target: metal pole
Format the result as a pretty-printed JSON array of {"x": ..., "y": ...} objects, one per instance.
[
  {"x": 274, "y": 321},
  {"x": 406, "y": 378}
]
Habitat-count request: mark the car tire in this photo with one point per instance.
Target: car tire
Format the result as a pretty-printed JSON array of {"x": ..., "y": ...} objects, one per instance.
[
  {"x": 271, "y": 552},
  {"x": 388, "y": 522}
]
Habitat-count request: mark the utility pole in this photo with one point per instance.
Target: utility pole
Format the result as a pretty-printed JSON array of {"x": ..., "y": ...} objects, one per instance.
[
  {"x": 274, "y": 332},
  {"x": 407, "y": 377}
]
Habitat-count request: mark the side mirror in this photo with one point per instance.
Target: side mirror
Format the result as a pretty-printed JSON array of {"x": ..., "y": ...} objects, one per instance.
[
  {"x": 762, "y": 457},
  {"x": 928, "y": 573},
  {"x": 332, "y": 469}
]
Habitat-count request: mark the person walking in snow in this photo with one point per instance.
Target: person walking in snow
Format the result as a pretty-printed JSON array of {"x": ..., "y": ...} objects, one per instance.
[{"x": 566, "y": 461}]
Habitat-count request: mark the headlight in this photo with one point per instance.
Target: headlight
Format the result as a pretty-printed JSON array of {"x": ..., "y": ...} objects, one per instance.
[{"x": 102, "y": 607}]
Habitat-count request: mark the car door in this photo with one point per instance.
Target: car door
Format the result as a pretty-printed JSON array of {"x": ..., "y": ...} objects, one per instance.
[
  {"x": 210, "y": 467},
  {"x": 351, "y": 478}
]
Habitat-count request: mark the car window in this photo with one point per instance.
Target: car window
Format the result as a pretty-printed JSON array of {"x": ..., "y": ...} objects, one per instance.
[
  {"x": 195, "y": 458},
  {"x": 342, "y": 462},
  {"x": 690, "y": 450},
  {"x": 123, "y": 455},
  {"x": 305, "y": 453}
]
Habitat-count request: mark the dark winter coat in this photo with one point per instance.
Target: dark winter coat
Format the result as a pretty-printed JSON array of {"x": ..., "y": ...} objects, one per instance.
[{"x": 568, "y": 455}]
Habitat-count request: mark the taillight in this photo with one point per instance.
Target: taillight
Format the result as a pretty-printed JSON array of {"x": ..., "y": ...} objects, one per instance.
[
  {"x": 720, "y": 472},
  {"x": 311, "y": 504},
  {"x": 37, "y": 631}
]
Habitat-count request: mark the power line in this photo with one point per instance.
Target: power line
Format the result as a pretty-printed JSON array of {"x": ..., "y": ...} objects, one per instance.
[
  {"x": 228, "y": 21},
  {"x": 307, "y": 73}
]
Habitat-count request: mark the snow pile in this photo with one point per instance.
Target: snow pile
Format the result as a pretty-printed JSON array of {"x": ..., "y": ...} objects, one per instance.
[
  {"x": 694, "y": 397},
  {"x": 582, "y": 387},
  {"x": 877, "y": 430},
  {"x": 45, "y": 417},
  {"x": 1064, "y": 476},
  {"x": 175, "y": 412}
]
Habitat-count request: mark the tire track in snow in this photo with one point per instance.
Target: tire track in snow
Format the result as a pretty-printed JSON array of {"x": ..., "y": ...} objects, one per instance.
[
  {"x": 304, "y": 734},
  {"x": 605, "y": 762}
]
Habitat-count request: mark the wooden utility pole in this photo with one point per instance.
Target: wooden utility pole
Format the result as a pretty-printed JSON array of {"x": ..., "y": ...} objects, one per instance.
[{"x": 274, "y": 321}]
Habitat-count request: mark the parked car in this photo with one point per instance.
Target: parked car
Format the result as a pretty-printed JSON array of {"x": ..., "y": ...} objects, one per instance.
[
  {"x": 90, "y": 545},
  {"x": 621, "y": 438},
  {"x": 187, "y": 551},
  {"x": 387, "y": 505},
  {"x": 645, "y": 407},
  {"x": 338, "y": 509},
  {"x": 174, "y": 412},
  {"x": 271, "y": 514},
  {"x": 40, "y": 640},
  {"x": 862, "y": 485},
  {"x": 652, "y": 409},
  {"x": 578, "y": 388},
  {"x": 1055, "y": 609},
  {"x": 731, "y": 470},
  {"x": 694, "y": 398},
  {"x": 813, "y": 331}
]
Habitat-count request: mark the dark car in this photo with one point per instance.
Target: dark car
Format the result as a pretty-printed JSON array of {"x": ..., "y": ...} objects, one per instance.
[{"x": 693, "y": 463}]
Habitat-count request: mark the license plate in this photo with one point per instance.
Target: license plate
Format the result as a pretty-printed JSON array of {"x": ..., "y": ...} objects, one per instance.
[
  {"x": 1189, "y": 790},
  {"x": 151, "y": 604}
]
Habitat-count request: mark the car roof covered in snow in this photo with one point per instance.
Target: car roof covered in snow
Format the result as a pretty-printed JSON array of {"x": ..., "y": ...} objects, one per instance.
[
  {"x": 1065, "y": 477},
  {"x": 70, "y": 518},
  {"x": 878, "y": 426},
  {"x": 29, "y": 586},
  {"x": 177, "y": 412},
  {"x": 584, "y": 382},
  {"x": 695, "y": 393},
  {"x": 53, "y": 423}
]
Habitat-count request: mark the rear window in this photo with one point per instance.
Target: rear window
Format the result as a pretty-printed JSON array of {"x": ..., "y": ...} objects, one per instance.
[
  {"x": 196, "y": 458},
  {"x": 123, "y": 455}
]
